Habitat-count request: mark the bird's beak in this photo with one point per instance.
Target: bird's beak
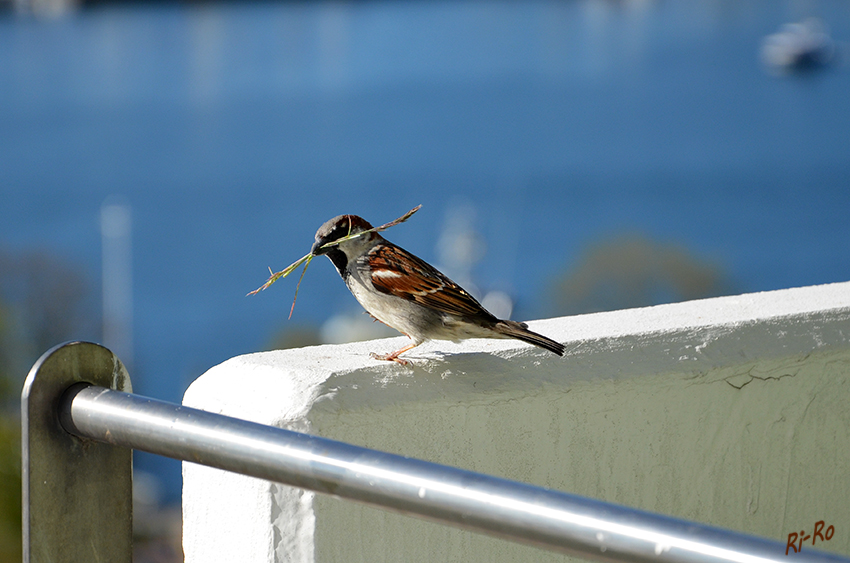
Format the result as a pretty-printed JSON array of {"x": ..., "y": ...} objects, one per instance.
[{"x": 317, "y": 249}]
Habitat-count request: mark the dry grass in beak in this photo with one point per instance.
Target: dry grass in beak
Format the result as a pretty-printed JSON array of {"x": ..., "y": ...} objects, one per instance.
[{"x": 308, "y": 257}]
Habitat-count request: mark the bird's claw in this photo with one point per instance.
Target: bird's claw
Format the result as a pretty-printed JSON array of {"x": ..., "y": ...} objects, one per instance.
[{"x": 390, "y": 358}]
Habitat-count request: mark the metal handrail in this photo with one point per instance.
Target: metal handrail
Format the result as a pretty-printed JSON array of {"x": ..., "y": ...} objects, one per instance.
[{"x": 549, "y": 519}]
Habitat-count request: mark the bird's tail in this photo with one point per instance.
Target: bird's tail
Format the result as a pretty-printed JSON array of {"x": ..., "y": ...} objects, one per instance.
[{"x": 520, "y": 331}]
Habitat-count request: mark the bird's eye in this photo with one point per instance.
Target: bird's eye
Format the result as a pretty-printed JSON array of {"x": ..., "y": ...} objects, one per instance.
[{"x": 340, "y": 231}]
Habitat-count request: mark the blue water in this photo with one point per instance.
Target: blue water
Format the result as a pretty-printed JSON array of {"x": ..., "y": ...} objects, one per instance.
[{"x": 234, "y": 131}]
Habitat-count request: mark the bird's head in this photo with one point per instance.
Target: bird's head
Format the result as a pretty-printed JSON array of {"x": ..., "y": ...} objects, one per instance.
[{"x": 336, "y": 230}]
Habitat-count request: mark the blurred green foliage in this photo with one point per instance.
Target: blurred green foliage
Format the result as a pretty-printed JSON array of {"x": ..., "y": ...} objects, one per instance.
[
  {"x": 46, "y": 300},
  {"x": 10, "y": 460},
  {"x": 10, "y": 490},
  {"x": 635, "y": 271},
  {"x": 43, "y": 301},
  {"x": 295, "y": 336}
]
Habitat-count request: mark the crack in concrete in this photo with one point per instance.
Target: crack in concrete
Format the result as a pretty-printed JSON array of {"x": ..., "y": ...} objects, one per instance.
[{"x": 753, "y": 377}]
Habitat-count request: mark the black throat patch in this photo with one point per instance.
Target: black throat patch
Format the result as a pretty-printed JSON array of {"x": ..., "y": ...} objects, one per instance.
[{"x": 339, "y": 260}]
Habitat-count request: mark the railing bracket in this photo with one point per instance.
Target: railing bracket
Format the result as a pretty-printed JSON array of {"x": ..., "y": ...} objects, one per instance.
[{"x": 77, "y": 493}]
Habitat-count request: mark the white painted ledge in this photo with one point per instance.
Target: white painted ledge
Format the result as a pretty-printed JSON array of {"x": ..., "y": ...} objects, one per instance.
[{"x": 730, "y": 411}]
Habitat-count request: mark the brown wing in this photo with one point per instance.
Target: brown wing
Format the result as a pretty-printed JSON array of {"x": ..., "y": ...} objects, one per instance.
[{"x": 398, "y": 272}]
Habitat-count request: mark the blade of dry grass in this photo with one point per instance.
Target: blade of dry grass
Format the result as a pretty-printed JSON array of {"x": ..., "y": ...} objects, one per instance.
[
  {"x": 298, "y": 285},
  {"x": 283, "y": 273},
  {"x": 383, "y": 227},
  {"x": 307, "y": 258}
]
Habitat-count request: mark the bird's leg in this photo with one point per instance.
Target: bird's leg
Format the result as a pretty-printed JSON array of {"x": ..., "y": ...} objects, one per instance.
[{"x": 394, "y": 356}]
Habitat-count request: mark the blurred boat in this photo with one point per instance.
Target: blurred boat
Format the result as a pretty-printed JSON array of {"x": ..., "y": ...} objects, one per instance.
[{"x": 798, "y": 46}]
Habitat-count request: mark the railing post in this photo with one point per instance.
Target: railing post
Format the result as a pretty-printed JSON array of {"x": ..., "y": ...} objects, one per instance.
[{"x": 77, "y": 493}]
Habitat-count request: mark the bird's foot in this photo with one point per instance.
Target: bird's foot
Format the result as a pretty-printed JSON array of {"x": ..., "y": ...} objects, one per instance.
[
  {"x": 394, "y": 357},
  {"x": 390, "y": 358}
]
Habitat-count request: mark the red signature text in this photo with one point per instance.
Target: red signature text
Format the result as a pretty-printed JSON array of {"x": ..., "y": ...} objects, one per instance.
[{"x": 795, "y": 540}]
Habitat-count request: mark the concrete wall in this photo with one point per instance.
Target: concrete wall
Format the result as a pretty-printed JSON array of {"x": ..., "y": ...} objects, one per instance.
[{"x": 732, "y": 411}]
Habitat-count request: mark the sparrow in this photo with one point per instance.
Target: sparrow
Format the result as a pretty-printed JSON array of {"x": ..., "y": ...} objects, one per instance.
[{"x": 408, "y": 294}]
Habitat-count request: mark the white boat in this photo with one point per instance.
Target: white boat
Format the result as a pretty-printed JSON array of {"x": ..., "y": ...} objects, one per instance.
[{"x": 798, "y": 46}]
